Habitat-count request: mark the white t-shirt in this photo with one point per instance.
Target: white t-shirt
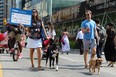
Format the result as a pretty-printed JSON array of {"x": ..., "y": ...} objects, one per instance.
[
  {"x": 51, "y": 34},
  {"x": 79, "y": 35}
]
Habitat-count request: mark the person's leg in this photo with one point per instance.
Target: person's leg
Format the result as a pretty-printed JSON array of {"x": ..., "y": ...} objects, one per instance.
[
  {"x": 31, "y": 57},
  {"x": 11, "y": 39},
  {"x": 86, "y": 44},
  {"x": 86, "y": 58},
  {"x": 101, "y": 48},
  {"x": 18, "y": 38},
  {"x": 93, "y": 47},
  {"x": 81, "y": 47},
  {"x": 98, "y": 52},
  {"x": 79, "y": 43},
  {"x": 50, "y": 61},
  {"x": 39, "y": 57}
]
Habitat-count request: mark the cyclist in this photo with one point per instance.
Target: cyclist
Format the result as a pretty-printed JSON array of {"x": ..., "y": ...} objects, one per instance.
[{"x": 15, "y": 32}]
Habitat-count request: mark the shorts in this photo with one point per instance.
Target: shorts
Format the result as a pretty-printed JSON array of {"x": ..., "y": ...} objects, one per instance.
[
  {"x": 89, "y": 44},
  {"x": 12, "y": 34}
]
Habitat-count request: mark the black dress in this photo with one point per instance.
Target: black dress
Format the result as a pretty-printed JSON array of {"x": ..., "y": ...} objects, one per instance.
[{"x": 109, "y": 50}]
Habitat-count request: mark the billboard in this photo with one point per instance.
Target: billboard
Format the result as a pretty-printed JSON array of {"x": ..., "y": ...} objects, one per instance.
[
  {"x": 18, "y": 16},
  {"x": 100, "y": 6}
]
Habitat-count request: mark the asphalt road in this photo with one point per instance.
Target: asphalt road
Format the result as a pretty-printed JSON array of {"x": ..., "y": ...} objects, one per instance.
[{"x": 71, "y": 65}]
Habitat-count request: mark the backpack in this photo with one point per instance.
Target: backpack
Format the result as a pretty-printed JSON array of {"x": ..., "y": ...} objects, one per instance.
[{"x": 101, "y": 33}]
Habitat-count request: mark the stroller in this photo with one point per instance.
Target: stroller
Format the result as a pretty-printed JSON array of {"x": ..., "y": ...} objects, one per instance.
[
  {"x": 4, "y": 42},
  {"x": 45, "y": 46}
]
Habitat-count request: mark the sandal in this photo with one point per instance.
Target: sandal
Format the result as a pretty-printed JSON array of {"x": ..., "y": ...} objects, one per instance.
[
  {"x": 31, "y": 68},
  {"x": 86, "y": 66},
  {"x": 40, "y": 68}
]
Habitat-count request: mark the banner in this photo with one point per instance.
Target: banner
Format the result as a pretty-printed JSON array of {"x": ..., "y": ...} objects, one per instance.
[
  {"x": 100, "y": 6},
  {"x": 18, "y": 16}
]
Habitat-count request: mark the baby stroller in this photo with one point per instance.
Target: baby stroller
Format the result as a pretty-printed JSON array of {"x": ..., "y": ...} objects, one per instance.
[
  {"x": 45, "y": 44},
  {"x": 4, "y": 42}
]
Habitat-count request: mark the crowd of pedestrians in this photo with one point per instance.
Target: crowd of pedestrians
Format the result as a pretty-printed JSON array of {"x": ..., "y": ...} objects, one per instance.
[{"x": 91, "y": 36}]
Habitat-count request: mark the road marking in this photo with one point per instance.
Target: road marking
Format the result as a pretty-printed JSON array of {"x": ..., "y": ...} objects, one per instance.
[{"x": 0, "y": 70}]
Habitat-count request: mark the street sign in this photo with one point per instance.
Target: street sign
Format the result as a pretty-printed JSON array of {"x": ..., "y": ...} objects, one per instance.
[{"x": 18, "y": 16}]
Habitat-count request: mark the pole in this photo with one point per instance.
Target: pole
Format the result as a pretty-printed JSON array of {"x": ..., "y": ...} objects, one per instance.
[
  {"x": 8, "y": 9},
  {"x": 41, "y": 9},
  {"x": 50, "y": 11},
  {"x": 9, "y": 5}
]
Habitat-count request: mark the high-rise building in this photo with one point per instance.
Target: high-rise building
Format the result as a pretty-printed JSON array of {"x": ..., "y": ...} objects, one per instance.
[
  {"x": 1, "y": 12},
  {"x": 8, "y": 4},
  {"x": 47, "y": 7}
]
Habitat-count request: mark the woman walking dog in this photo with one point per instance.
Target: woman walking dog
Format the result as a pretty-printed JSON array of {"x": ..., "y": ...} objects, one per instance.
[{"x": 35, "y": 38}]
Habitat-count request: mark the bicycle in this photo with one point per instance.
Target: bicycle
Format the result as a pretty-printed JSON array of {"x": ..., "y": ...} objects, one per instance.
[{"x": 15, "y": 51}]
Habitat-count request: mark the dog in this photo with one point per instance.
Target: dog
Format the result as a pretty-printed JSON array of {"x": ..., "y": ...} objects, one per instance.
[
  {"x": 95, "y": 64},
  {"x": 52, "y": 54}
]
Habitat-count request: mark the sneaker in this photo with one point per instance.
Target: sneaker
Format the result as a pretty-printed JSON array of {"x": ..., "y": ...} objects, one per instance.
[
  {"x": 11, "y": 51},
  {"x": 56, "y": 68},
  {"x": 20, "y": 55}
]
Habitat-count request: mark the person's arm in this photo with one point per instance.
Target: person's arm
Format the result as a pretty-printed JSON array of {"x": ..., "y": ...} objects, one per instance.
[
  {"x": 77, "y": 36},
  {"x": 85, "y": 30},
  {"x": 21, "y": 26},
  {"x": 44, "y": 29},
  {"x": 96, "y": 34},
  {"x": 115, "y": 40}
]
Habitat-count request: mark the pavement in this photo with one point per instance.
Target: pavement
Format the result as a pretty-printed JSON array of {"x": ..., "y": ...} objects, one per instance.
[
  {"x": 74, "y": 56},
  {"x": 70, "y": 65}
]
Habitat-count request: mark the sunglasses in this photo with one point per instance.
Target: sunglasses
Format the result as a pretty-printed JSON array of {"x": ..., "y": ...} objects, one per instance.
[
  {"x": 88, "y": 14},
  {"x": 34, "y": 11}
]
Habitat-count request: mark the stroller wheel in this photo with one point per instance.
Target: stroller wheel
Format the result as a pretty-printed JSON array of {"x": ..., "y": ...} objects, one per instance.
[
  {"x": 7, "y": 51},
  {"x": 2, "y": 50}
]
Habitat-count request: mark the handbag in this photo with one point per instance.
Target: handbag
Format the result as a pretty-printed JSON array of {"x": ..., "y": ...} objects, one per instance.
[{"x": 62, "y": 41}]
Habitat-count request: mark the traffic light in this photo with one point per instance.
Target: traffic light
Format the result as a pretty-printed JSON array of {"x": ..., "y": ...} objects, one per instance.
[{"x": 4, "y": 21}]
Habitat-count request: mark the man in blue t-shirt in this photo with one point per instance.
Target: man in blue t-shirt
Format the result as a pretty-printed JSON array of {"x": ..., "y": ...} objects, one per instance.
[{"x": 88, "y": 27}]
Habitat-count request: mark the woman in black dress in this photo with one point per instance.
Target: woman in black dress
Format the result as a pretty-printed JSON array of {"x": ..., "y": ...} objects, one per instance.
[{"x": 110, "y": 47}]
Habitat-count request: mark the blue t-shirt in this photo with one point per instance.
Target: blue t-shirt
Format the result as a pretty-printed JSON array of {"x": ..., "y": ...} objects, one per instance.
[{"x": 92, "y": 25}]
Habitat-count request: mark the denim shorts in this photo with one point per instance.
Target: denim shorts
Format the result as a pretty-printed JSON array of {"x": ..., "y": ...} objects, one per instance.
[{"x": 89, "y": 44}]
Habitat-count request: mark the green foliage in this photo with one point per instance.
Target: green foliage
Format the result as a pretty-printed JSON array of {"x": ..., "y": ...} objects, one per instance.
[{"x": 72, "y": 44}]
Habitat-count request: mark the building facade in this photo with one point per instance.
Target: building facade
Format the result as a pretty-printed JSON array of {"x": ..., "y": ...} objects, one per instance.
[
  {"x": 5, "y": 6},
  {"x": 1, "y": 12},
  {"x": 72, "y": 17}
]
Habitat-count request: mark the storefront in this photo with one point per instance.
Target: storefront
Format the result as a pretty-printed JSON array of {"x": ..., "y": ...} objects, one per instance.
[{"x": 72, "y": 17}]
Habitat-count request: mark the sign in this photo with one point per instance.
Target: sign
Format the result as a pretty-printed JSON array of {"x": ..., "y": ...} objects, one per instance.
[
  {"x": 68, "y": 13},
  {"x": 18, "y": 16},
  {"x": 99, "y": 6}
]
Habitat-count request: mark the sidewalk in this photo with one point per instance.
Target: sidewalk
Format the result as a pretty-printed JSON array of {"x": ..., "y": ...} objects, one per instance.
[{"x": 74, "y": 56}]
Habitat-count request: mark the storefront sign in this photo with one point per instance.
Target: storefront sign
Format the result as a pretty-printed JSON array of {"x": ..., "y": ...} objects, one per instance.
[
  {"x": 68, "y": 13},
  {"x": 98, "y": 6}
]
